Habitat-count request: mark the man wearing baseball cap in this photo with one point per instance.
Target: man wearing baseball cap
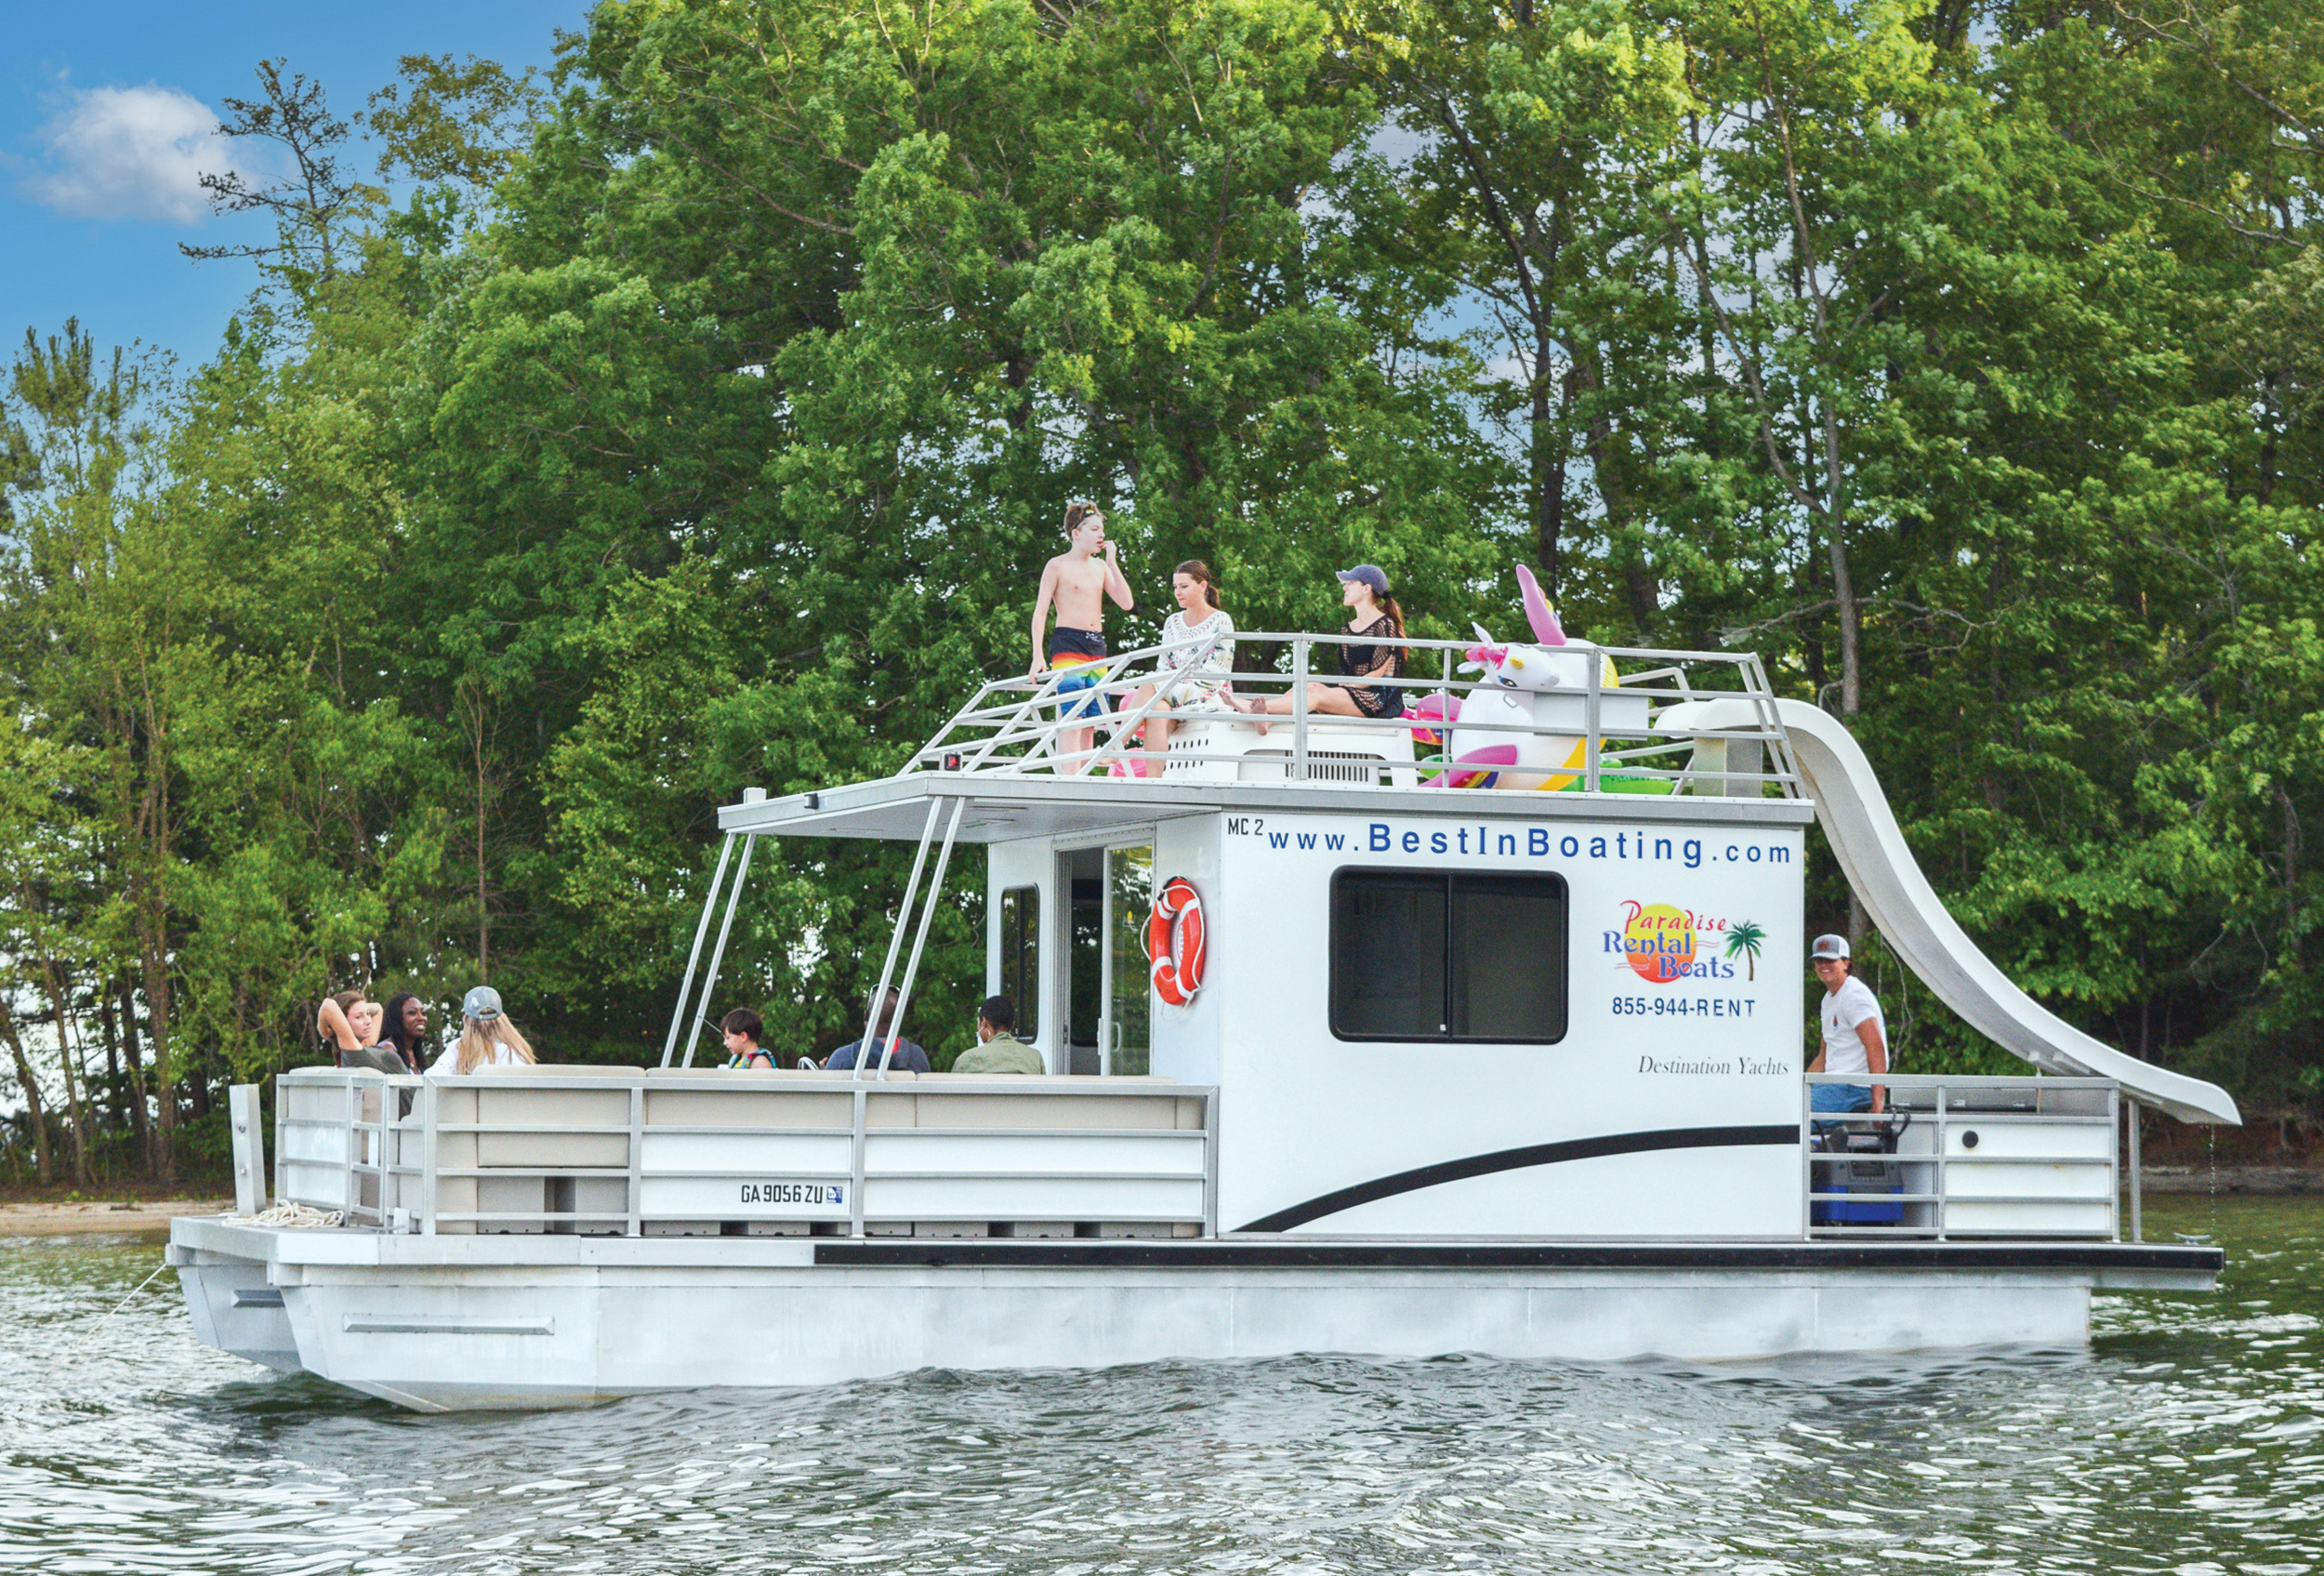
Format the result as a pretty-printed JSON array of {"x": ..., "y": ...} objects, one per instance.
[{"x": 1856, "y": 1035}]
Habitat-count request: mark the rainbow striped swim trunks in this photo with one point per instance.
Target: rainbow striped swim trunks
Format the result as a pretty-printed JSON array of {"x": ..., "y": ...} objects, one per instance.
[{"x": 1078, "y": 648}]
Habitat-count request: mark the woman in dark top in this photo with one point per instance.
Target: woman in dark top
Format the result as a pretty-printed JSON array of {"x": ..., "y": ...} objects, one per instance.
[
  {"x": 1372, "y": 616},
  {"x": 403, "y": 1025}
]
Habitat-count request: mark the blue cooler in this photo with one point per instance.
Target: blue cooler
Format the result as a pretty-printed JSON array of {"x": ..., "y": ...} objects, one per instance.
[{"x": 1872, "y": 1179}]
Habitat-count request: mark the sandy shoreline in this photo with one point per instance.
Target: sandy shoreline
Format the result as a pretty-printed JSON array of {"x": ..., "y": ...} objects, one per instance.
[
  {"x": 2268, "y": 1180},
  {"x": 74, "y": 1220}
]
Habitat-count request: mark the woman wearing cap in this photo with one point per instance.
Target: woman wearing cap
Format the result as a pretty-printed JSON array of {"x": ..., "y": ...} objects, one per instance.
[
  {"x": 487, "y": 1038},
  {"x": 1373, "y": 615}
]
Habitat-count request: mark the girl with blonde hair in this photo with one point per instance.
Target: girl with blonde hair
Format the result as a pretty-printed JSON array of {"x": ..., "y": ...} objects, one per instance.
[{"x": 487, "y": 1038}]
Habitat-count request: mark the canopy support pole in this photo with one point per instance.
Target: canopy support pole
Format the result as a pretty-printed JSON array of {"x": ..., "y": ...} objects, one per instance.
[
  {"x": 702, "y": 928},
  {"x": 919, "y": 941},
  {"x": 895, "y": 941},
  {"x": 710, "y": 981}
]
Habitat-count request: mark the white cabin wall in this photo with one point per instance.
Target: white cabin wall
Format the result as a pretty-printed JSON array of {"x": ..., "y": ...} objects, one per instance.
[
  {"x": 1186, "y": 1038},
  {"x": 1028, "y": 862},
  {"x": 1303, "y": 1113}
]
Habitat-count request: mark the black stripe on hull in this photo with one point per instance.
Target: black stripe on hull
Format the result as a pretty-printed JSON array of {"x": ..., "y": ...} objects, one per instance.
[{"x": 1520, "y": 1160}]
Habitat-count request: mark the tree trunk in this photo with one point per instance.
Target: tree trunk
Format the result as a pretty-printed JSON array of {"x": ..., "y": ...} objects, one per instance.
[
  {"x": 164, "y": 1082},
  {"x": 1640, "y": 589},
  {"x": 1844, "y": 592},
  {"x": 116, "y": 1091},
  {"x": 1851, "y": 682},
  {"x": 42, "y": 1165},
  {"x": 2291, "y": 814},
  {"x": 76, "y": 1108},
  {"x": 139, "y": 1126},
  {"x": 1548, "y": 483}
]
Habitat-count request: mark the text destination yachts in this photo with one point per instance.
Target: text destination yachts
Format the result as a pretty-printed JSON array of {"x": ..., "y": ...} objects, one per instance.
[{"x": 1748, "y": 1067}]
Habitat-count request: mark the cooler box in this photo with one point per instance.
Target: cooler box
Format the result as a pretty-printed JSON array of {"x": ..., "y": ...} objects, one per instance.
[{"x": 1867, "y": 1179}]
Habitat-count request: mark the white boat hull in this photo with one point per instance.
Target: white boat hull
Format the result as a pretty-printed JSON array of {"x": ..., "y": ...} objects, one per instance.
[{"x": 429, "y": 1324}]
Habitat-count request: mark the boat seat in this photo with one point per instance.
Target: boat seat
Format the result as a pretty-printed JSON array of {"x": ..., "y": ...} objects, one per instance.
[
  {"x": 759, "y": 1077},
  {"x": 1077, "y": 1080},
  {"x": 553, "y": 1069}
]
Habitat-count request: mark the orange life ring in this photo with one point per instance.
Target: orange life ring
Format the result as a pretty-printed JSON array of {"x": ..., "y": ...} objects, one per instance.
[{"x": 1174, "y": 943}]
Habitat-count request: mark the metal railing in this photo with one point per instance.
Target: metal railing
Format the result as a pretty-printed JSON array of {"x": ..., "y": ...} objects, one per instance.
[
  {"x": 1018, "y": 725},
  {"x": 1974, "y": 1157},
  {"x": 399, "y": 1154},
  {"x": 1971, "y": 1157},
  {"x": 339, "y": 1143}
]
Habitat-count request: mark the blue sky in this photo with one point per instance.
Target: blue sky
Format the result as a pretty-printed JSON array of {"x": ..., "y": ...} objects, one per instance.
[{"x": 106, "y": 112}]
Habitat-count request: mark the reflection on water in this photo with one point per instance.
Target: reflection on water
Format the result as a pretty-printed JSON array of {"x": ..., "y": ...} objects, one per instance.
[{"x": 2190, "y": 1438}]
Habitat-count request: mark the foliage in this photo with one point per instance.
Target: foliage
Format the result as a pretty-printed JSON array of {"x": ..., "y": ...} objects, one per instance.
[{"x": 702, "y": 420}]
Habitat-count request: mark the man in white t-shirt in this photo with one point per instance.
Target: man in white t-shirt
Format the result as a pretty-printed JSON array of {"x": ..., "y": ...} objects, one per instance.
[{"x": 1855, "y": 1035}]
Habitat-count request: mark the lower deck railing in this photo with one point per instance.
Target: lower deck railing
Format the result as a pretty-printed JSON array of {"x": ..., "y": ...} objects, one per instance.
[
  {"x": 604, "y": 1152},
  {"x": 1965, "y": 1157},
  {"x": 623, "y": 1153}
]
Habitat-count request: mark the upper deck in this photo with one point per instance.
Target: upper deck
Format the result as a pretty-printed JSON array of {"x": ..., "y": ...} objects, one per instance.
[{"x": 1577, "y": 732}]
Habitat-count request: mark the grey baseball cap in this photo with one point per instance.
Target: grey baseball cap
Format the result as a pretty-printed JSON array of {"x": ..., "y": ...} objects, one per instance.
[
  {"x": 1829, "y": 948},
  {"x": 1371, "y": 574},
  {"x": 482, "y": 1003}
]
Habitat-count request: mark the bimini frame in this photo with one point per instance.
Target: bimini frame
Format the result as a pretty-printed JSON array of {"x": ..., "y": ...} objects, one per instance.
[{"x": 1013, "y": 727}]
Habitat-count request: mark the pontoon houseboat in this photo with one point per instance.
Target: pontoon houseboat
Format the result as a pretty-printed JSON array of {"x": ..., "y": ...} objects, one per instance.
[{"x": 1479, "y": 1029}]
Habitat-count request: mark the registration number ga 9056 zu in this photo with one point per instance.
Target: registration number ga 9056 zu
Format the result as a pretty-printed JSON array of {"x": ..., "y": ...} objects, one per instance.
[{"x": 794, "y": 1193}]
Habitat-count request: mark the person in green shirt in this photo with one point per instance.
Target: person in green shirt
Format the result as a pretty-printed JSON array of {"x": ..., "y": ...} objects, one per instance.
[{"x": 997, "y": 1049}]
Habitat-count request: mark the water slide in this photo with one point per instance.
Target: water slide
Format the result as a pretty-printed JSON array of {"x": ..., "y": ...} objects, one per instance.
[{"x": 1913, "y": 921}]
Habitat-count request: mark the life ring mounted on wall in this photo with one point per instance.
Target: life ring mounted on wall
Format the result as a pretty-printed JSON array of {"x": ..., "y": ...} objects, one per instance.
[{"x": 1174, "y": 941}]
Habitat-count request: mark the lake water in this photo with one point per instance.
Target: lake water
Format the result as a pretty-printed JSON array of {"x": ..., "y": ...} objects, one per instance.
[{"x": 2189, "y": 1438}]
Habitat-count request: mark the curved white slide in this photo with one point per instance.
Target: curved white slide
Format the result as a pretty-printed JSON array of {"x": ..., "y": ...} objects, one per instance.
[{"x": 1913, "y": 920}]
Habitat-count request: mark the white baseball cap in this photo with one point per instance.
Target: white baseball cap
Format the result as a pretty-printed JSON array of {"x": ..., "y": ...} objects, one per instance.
[{"x": 1830, "y": 948}]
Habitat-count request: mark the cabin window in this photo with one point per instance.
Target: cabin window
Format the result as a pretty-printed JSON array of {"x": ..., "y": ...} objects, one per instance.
[
  {"x": 1425, "y": 955},
  {"x": 1021, "y": 957}
]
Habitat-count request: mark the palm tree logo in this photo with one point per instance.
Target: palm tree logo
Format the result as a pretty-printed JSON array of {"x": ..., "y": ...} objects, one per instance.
[{"x": 1744, "y": 940}]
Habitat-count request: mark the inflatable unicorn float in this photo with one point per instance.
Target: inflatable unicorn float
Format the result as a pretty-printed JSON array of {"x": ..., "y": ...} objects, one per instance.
[{"x": 1496, "y": 735}]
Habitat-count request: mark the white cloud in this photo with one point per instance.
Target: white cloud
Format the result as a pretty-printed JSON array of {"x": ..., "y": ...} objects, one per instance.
[{"x": 129, "y": 152}]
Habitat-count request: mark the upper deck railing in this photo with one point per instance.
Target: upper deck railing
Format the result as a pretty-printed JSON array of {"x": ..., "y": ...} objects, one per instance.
[{"x": 1602, "y": 723}]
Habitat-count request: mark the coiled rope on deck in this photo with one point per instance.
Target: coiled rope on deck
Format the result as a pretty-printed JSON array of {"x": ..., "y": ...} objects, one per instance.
[{"x": 282, "y": 1213}]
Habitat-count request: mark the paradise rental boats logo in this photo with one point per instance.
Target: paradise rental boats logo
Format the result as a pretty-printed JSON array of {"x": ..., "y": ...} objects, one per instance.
[{"x": 1663, "y": 943}]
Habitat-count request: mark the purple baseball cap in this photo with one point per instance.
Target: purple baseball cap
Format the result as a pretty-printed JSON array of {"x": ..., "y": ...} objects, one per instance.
[{"x": 1371, "y": 574}]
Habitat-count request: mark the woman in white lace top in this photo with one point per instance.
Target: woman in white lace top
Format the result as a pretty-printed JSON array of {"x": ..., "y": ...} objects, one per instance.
[{"x": 1201, "y": 675}]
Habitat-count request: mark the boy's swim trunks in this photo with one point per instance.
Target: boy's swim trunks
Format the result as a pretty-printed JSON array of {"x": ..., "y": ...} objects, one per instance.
[{"x": 1078, "y": 648}]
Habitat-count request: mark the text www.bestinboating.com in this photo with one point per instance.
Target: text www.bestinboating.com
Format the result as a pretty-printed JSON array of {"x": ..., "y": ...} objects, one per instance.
[{"x": 1532, "y": 842}]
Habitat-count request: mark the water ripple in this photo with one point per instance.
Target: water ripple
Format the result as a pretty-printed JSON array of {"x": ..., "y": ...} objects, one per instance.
[{"x": 2189, "y": 1438}]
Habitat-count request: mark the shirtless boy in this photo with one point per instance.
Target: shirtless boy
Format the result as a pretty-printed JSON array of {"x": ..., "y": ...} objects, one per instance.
[{"x": 1079, "y": 584}]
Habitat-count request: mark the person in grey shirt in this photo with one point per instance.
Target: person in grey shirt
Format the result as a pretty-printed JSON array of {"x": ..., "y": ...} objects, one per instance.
[
  {"x": 908, "y": 1057},
  {"x": 997, "y": 1049}
]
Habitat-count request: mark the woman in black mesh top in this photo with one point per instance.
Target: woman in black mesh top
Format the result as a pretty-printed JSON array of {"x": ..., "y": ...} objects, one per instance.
[{"x": 1372, "y": 615}]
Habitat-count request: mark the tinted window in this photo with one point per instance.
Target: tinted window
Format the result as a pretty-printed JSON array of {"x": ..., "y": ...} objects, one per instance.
[
  {"x": 1508, "y": 962},
  {"x": 1021, "y": 956},
  {"x": 1445, "y": 956},
  {"x": 1382, "y": 924}
]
